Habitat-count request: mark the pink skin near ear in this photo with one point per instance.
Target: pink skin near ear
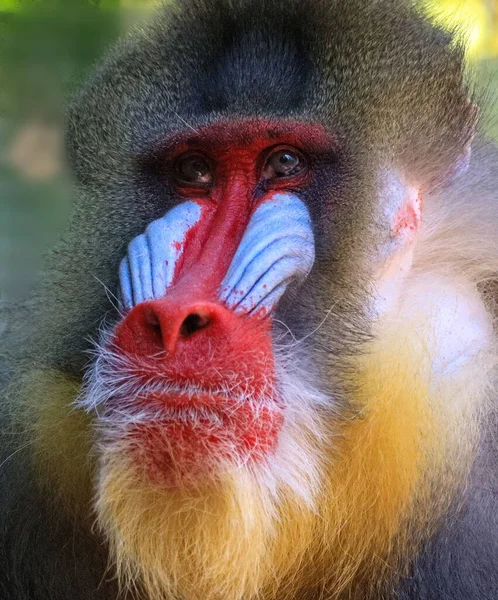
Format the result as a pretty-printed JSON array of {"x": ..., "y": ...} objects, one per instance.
[
  {"x": 404, "y": 212},
  {"x": 404, "y": 215}
]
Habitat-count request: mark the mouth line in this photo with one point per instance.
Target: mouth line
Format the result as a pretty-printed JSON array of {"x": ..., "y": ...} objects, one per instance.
[
  {"x": 166, "y": 401},
  {"x": 220, "y": 416},
  {"x": 236, "y": 392},
  {"x": 188, "y": 415}
]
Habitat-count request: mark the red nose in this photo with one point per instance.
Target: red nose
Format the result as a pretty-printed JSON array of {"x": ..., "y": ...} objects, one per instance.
[
  {"x": 199, "y": 341},
  {"x": 165, "y": 325}
]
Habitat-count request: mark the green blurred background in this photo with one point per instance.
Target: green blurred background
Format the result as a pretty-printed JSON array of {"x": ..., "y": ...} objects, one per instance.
[{"x": 47, "y": 47}]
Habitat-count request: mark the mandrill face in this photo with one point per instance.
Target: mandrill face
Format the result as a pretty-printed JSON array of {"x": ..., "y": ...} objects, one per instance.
[
  {"x": 193, "y": 354},
  {"x": 200, "y": 376},
  {"x": 272, "y": 403}
]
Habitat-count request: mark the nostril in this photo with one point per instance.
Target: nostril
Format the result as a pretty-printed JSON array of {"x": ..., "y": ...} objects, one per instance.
[
  {"x": 153, "y": 324},
  {"x": 194, "y": 322}
]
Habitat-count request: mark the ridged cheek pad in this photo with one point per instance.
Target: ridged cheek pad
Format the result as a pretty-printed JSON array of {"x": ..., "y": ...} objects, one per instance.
[
  {"x": 276, "y": 248},
  {"x": 149, "y": 268}
]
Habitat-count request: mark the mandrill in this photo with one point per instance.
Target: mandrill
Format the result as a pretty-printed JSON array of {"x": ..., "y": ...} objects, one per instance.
[{"x": 260, "y": 364}]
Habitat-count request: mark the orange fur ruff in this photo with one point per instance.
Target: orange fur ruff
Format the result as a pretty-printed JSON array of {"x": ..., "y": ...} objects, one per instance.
[{"x": 386, "y": 478}]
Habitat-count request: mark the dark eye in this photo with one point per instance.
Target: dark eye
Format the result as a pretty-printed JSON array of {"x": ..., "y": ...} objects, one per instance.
[
  {"x": 193, "y": 169},
  {"x": 285, "y": 162}
]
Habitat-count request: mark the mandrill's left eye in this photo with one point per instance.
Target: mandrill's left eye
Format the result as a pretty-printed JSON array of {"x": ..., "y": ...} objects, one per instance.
[{"x": 284, "y": 162}]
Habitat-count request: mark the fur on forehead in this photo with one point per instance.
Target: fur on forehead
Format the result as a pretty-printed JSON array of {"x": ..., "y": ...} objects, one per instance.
[{"x": 362, "y": 70}]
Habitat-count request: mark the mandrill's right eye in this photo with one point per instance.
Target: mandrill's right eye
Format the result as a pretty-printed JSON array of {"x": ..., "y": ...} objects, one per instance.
[{"x": 193, "y": 169}]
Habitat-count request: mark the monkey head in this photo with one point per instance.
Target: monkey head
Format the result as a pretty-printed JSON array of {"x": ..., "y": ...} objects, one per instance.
[{"x": 252, "y": 180}]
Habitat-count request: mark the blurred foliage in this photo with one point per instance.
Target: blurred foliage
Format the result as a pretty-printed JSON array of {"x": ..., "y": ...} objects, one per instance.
[
  {"x": 477, "y": 20},
  {"x": 45, "y": 52},
  {"x": 47, "y": 48},
  {"x": 15, "y": 5}
]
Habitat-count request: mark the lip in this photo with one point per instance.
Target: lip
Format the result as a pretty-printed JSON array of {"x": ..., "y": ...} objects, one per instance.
[
  {"x": 165, "y": 393},
  {"x": 162, "y": 402},
  {"x": 204, "y": 405},
  {"x": 223, "y": 412}
]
